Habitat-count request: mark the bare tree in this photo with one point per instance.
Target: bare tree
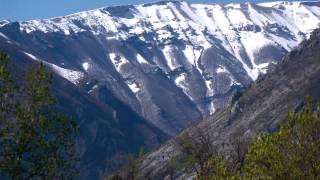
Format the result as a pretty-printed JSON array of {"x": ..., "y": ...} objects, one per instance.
[
  {"x": 197, "y": 148},
  {"x": 239, "y": 148}
]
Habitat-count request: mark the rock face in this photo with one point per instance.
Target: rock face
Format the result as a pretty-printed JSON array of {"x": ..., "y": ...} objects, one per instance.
[
  {"x": 160, "y": 66},
  {"x": 108, "y": 130},
  {"x": 261, "y": 108},
  {"x": 171, "y": 62}
]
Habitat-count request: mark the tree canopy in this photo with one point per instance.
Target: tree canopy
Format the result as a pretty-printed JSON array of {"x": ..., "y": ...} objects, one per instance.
[{"x": 36, "y": 140}]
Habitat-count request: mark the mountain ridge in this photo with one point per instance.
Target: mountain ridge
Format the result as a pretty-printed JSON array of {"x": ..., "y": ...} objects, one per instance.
[
  {"x": 104, "y": 135},
  {"x": 263, "y": 107},
  {"x": 170, "y": 64},
  {"x": 201, "y": 51}
]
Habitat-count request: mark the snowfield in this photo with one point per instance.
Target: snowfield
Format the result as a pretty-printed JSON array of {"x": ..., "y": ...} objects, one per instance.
[{"x": 168, "y": 57}]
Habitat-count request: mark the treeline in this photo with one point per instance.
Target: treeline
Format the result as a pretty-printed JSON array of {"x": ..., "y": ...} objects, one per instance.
[{"x": 293, "y": 152}]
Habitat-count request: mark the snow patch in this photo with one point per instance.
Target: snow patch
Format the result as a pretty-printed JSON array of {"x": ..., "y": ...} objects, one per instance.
[
  {"x": 117, "y": 61},
  {"x": 270, "y": 4},
  {"x": 221, "y": 69},
  {"x": 93, "y": 88},
  {"x": 190, "y": 55},
  {"x": 4, "y": 36},
  {"x": 211, "y": 108},
  {"x": 263, "y": 67},
  {"x": 32, "y": 56},
  {"x": 134, "y": 87},
  {"x": 70, "y": 75},
  {"x": 141, "y": 60},
  {"x": 180, "y": 81},
  {"x": 209, "y": 87},
  {"x": 167, "y": 52},
  {"x": 4, "y": 22},
  {"x": 86, "y": 66}
]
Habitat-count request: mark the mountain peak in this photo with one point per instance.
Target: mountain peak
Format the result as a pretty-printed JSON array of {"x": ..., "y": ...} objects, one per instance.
[
  {"x": 4, "y": 22},
  {"x": 261, "y": 108},
  {"x": 180, "y": 39},
  {"x": 164, "y": 2},
  {"x": 171, "y": 62},
  {"x": 233, "y": 26}
]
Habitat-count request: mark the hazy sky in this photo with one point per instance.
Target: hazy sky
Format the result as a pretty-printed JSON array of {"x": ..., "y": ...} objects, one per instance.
[{"x": 20, "y": 10}]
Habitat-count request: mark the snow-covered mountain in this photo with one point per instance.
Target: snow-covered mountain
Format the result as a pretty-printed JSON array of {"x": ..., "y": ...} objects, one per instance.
[{"x": 171, "y": 61}]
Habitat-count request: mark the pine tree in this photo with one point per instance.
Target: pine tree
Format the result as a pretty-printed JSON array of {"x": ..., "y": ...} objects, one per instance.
[{"x": 37, "y": 142}]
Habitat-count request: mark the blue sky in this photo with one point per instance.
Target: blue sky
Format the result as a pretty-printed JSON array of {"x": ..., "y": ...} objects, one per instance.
[{"x": 20, "y": 10}]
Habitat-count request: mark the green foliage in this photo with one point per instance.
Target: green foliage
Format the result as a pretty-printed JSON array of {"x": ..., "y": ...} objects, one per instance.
[
  {"x": 217, "y": 168},
  {"x": 131, "y": 168},
  {"x": 141, "y": 152},
  {"x": 115, "y": 177},
  {"x": 36, "y": 141},
  {"x": 291, "y": 153}
]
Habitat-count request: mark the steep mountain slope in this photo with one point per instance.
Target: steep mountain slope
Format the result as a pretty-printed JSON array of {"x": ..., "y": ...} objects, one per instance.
[
  {"x": 107, "y": 130},
  {"x": 262, "y": 107},
  {"x": 170, "y": 61}
]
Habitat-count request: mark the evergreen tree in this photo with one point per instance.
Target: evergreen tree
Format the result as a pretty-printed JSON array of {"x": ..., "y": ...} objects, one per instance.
[
  {"x": 37, "y": 142},
  {"x": 291, "y": 153}
]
